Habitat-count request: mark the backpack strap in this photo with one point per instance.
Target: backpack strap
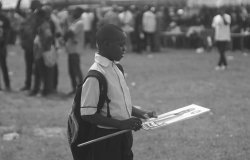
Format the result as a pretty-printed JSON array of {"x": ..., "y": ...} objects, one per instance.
[
  {"x": 103, "y": 90},
  {"x": 77, "y": 102}
]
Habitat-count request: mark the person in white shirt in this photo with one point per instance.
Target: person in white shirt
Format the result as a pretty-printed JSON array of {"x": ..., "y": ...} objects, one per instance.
[
  {"x": 74, "y": 48},
  {"x": 127, "y": 24},
  {"x": 221, "y": 24},
  {"x": 124, "y": 116},
  {"x": 149, "y": 26},
  {"x": 87, "y": 19}
]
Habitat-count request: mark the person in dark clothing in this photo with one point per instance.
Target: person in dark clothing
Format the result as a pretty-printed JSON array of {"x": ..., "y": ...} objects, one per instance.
[
  {"x": 138, "y": 40},
  {"x": 45, "y": 58},
  {"x": 4, "y": 34},
  {"x": 27, "y": 38},
  {"x": 27, "y": 35}
]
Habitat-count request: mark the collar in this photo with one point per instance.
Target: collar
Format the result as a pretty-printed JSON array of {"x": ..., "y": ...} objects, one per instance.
[{"x": 102, "y": 60}]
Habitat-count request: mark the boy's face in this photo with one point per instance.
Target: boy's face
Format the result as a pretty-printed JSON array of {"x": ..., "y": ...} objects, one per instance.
[{"x": 116, "y": 49}]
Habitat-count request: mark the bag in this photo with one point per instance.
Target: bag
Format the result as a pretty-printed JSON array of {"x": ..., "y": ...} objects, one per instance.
[
  {"x": 79, "y": 131},
  {"x": 50, "y": 56}
]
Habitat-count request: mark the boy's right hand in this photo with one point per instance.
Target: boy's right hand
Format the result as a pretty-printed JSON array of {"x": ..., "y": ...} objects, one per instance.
[{"x": 131, "y": 124}]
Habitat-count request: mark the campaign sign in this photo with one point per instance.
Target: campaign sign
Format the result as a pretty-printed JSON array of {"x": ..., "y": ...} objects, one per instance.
[{"x": 174, "y": 116}]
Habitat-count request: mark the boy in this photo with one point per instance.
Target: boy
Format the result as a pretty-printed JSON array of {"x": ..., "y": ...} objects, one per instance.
[{"x": 111, "y": 47}]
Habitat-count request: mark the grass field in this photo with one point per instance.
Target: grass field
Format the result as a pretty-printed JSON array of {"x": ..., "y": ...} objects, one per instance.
[{"x": 160, "y": 82}]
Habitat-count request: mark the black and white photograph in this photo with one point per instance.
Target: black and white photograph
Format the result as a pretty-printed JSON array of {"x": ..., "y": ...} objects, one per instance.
[{"x": 124, "y": 79}]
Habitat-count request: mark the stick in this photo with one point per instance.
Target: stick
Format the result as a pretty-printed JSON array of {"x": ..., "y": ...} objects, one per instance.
[{"x": 102, "y": 138}]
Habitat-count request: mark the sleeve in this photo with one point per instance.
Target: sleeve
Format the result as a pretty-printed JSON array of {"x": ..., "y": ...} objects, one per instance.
[
  {"x": 78, "y": 28},
  {"x": 90, "y": 96},
  {"x": 214, "y": 22}
]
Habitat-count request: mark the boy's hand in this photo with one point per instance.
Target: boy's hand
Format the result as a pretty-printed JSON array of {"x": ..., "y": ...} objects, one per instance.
[
  {"x": 151, "y": 114},
  {"x": 131, "y": 124}
]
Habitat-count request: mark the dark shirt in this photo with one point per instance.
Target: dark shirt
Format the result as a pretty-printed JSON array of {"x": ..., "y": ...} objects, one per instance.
[
  {"x": 46, "y": 32},
  {"x": 28, "y": 31},
  {"x": 4, "y": 29}
]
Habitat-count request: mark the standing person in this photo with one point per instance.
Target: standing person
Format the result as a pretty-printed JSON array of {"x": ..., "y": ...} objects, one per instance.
[
  {"x": 149, "y": 25},
  {"x": 46, "y": 33},
  {"x": 111, "y": 47},
  {"x": 45, "y": 54},
  {"x": 88, "y": 18},
  {"x": 161, "y": 26},
  {"x": 221, "y": 24},
  {"x": 138, "y": 33},
  {"x": 27, "y": 36},
  {"x": 58, "y": 38},
  {"x": 74, "y": 48},
  {"x": 4, "y": 34},
  {"x": 127, "y": 24}
]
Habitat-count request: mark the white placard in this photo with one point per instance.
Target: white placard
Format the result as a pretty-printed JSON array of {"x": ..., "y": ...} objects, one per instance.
[{"x": 174, "y": 116}]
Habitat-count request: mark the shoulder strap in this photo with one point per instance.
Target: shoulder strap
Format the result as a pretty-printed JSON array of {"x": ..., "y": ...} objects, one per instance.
[
  {"x": 77, "y": 102},
  {"x": 103, "y": 90}
]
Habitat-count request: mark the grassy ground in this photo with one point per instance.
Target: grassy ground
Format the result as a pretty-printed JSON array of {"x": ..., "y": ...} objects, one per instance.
[{"x": 160, "y": 82}]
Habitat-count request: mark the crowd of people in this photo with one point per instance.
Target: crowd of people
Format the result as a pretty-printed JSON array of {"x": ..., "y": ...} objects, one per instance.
[{"x": 43, "y": 30}]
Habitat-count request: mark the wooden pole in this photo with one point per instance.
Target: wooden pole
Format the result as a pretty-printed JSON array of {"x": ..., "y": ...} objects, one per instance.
[{"x": 102, "y": 138}]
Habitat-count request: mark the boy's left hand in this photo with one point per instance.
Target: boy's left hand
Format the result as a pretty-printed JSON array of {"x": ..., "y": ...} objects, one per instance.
[{"x": 151, "y": 114}]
